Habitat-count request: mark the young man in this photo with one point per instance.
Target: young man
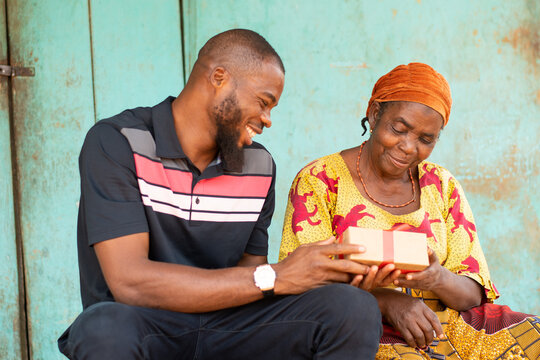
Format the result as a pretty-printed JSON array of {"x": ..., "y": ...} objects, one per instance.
[{"x": 172, "y": 234}]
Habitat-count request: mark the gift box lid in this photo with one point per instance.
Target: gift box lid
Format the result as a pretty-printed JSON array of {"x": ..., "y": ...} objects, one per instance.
[{"x": 407, "y": 250}]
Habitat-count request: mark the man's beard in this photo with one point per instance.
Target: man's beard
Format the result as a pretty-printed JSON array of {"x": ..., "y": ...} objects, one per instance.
[{"x": 228, "y": 117}]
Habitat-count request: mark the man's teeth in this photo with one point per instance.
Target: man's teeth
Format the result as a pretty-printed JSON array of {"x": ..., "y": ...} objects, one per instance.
[{"x": 250, "y": 132}]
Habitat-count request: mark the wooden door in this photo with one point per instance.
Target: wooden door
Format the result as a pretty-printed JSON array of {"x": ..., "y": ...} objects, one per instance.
[{"x": 92, "y": 59}]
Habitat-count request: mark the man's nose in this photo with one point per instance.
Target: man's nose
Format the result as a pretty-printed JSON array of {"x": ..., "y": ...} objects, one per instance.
[{"x": 265, "y": 118}]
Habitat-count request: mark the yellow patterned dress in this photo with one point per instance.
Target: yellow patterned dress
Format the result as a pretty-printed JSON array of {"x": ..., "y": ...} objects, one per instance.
[{"x": 324, "y": 201}]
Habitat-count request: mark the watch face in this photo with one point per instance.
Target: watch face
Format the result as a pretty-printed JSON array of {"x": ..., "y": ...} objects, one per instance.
[{"x": 264, "y": 277}]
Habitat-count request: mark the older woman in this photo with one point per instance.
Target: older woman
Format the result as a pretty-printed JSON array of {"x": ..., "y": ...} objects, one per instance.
[{"x": 386, "y": 183}]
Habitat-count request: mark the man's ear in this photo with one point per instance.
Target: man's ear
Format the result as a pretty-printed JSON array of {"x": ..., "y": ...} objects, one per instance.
[{"x": 219, "y": 77}]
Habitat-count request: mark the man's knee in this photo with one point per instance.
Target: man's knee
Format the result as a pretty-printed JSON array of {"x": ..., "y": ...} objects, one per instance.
[
  {"x": 349, "y": 306},
  {"x": 106, "y": 325}
]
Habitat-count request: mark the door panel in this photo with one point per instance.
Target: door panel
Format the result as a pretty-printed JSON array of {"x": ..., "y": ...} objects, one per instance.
[
  {"x": 137, "y": 53},
  {"x": 10, "y": 316},
  {"x": 52, "y": 112}
]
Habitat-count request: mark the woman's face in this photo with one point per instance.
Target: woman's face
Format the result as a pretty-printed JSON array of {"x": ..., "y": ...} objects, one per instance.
[{"x": 403, "y": 136}]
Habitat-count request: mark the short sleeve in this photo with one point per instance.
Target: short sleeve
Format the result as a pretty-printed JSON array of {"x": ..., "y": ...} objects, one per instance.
[
  {"x": 111, "y": 204},
  {"x": 258, "y": 241},
  {"x": 465, "y": 255},
  {"x": 308, "y": 214}
]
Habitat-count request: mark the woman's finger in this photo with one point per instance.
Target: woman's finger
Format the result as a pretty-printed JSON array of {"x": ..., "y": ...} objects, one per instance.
[
  {"x": 409, "y": 338},
  {"x": 425, "y": 325},
  {"x": 390, "y": 278},
  {"x": 367, "y": 283},
  {"x": 384, "y": 276},
  {"x": 357, "y": 280},
  {"x": 432, "y": 256},
  {"x": 435, "y": 324},
  {"x": 418, "y": 334}
]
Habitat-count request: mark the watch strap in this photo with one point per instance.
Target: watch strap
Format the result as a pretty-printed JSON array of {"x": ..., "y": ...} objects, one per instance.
[{"x": 268, "y": 293}]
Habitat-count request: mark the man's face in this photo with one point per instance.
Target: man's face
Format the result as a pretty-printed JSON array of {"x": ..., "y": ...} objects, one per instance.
[{"x": 245, "y": 112}]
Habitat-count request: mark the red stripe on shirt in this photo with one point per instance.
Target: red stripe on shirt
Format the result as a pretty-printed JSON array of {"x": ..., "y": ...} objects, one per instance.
[
  {"x": 154, "y": 173},
  {"x": 240, "y": 186},
  {"x": 180, "y": 181}
]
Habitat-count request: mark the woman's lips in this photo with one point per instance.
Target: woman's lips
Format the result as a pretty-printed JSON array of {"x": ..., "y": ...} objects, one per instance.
[{"x": 398, "y": 162}]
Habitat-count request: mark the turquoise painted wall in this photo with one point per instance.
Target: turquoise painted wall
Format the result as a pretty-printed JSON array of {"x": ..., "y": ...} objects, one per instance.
[
  {"x": 95, "y": 58},
  {"x": 334, "y": 52}
]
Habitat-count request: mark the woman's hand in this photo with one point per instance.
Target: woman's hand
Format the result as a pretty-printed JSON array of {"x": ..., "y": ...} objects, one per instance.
[
  {"x": 417, "y": 323},
  {"x": 376, "y": 277},
  {"x": 455, "y": 291},
  {"x": 429, "y": 279}
]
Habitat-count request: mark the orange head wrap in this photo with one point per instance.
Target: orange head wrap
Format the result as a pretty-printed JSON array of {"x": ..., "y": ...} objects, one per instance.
[{"x": 415, "y": 82}]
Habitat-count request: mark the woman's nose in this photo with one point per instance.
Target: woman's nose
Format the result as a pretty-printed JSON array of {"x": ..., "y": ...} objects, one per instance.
[{"x": 407, "y": 145}]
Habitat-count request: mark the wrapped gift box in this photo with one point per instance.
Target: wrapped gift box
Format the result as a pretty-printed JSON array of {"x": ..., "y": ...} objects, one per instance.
[{"x": 407, "y": 250}]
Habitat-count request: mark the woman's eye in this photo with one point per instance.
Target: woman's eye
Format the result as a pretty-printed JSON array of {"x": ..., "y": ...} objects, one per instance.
[{"x": 397, "y": 131}]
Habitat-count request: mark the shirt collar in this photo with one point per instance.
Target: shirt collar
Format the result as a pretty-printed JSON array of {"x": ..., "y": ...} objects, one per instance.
[{"x": 167, "y": 144}]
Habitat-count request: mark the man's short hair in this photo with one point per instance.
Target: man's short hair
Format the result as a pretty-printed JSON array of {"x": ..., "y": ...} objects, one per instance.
[{"x": 240, "y": 50}]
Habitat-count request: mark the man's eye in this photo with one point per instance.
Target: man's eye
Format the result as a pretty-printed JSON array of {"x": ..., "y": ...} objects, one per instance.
[{"x": 263, "y": 103}]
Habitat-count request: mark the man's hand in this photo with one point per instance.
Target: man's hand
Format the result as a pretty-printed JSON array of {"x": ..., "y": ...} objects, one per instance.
[
  {"x": 376, "y": 277},
  {"x": 310, "y": 266},
  {"x": 417, "y": 323}
]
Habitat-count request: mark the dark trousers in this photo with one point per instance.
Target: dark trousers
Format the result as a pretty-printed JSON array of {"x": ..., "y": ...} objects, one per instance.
[{"x": 332, "y": 322}]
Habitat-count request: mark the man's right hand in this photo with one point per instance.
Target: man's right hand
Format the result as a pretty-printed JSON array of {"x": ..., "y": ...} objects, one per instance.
[{"x": 311, "y": 266}]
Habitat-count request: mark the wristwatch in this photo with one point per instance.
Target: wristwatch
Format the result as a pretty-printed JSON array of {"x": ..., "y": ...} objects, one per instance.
[{"x": 265, "y": 277}]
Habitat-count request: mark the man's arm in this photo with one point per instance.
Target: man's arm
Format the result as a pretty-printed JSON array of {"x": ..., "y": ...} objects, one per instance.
[
  {"x": 136, "y": 280},
  {"x": 252, "y": 260}
]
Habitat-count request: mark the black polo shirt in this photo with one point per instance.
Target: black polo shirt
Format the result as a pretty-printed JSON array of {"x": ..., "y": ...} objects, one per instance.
[{"x": 136, "y": 178}]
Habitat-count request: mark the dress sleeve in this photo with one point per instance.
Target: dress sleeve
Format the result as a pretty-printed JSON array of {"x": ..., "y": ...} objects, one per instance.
[
  {"x": 465, "y": 255},
  {"x": 309, "y": 211},
  {"x": 111, "y": 204}
]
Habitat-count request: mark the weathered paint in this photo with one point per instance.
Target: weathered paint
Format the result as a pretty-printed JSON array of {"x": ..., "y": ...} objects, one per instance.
[
  {"x": 52, "y": 112},
  {"x": 137, "y": 54},
  {"x": 334, "y": 53},
  {"x": 9, "y": 289}
]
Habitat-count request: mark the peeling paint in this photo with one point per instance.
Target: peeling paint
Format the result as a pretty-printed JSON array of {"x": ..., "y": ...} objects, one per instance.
[
  {"x": 526, "y": 41},
  {"x": 505, "y": 179},
  {"x": 349, "y": 66}
]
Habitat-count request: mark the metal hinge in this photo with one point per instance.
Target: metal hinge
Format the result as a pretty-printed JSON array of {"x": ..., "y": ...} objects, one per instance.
[{"x": 6, "y": 70}]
